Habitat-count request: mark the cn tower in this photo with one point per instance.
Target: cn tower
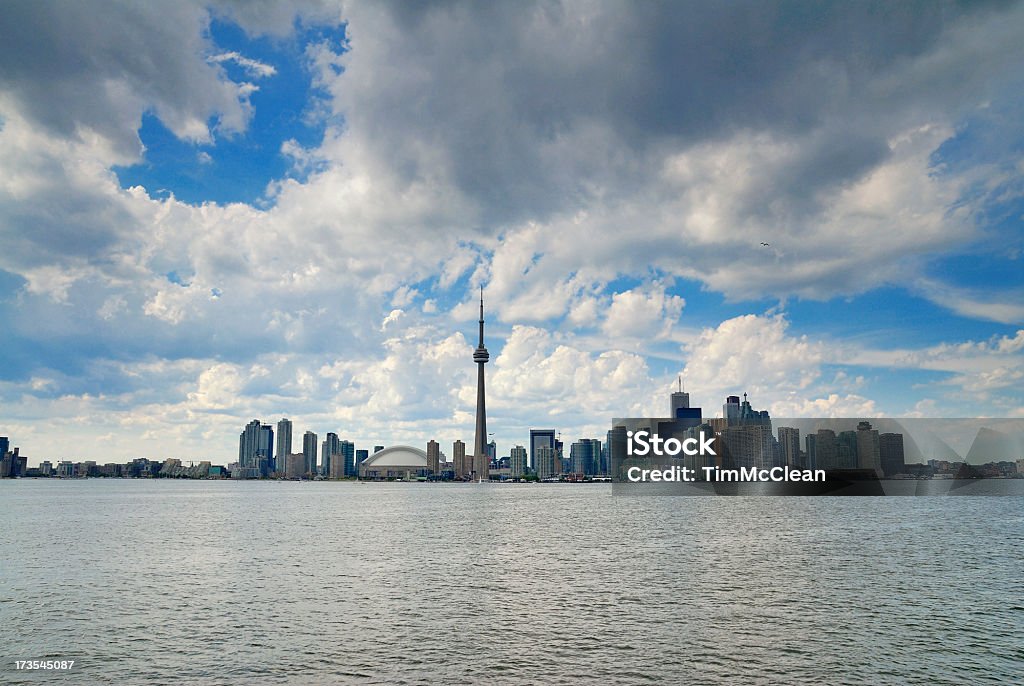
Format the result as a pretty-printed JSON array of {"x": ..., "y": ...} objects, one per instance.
[{"x": 481, "y": 460}]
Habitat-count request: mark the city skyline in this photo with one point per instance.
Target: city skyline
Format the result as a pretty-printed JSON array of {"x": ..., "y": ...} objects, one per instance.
[{"x": 212, "y": 213}]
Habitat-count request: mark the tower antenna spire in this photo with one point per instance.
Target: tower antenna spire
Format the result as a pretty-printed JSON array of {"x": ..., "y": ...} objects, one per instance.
[{"x": 481, "y": 459}]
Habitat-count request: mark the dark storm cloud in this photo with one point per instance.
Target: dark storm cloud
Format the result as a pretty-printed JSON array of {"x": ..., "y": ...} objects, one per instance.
[
  {"x": 532, "y": 107},
  {"x": 69, "y": 65}
]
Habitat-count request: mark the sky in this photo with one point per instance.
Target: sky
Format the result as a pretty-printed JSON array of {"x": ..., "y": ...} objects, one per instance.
[{"x": 215, "y": 212}]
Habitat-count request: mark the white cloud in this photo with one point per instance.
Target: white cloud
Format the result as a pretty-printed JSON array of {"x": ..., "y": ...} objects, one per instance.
[
  {"x": 640, "y": 314},
  {"x": 254, "y": 68}
]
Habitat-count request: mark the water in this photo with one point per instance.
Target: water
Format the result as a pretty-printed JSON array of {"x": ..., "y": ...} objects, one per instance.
[{"x": 154, "y": 582}]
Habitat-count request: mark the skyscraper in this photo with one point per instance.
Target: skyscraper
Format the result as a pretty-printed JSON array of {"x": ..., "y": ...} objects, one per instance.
[
  {"x": 265, "y": 452},
  {"x": 680, "y": 400},
  {"x": 249, "y": 442},
  {"x": 789, "y": 443},
  {"x": 328, "y": 448},
  {"x": 309, "y": 450},
  {"x": 433, "y": 456},
  {"x": 890, "y": 453},
  {"x": 481, "y": 463},
  {"x": 868, "y": 449},
  {"x": 347, "y": 452},
  {"x": 544, "y": 463},
  {"x": 459, "y": 459},
  {"x": 517, "y": 462},
  {"x": 284, "y": 444},
  {"x": 540, "y": 438},
  {"x": 585, "y": 456}
]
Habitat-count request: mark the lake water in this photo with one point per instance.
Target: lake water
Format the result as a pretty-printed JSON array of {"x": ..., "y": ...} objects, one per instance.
[{"x": 154, "y": 582}]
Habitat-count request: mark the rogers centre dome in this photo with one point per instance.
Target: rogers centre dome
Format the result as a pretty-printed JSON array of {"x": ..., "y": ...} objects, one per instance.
[{"x": 396, "y": 462}]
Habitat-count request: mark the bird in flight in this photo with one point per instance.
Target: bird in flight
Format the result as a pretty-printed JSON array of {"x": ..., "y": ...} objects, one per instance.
[{"x": 764, "y": 244}]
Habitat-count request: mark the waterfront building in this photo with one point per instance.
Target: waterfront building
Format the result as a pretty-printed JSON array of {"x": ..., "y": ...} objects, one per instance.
[
  {"x": 433, "y": 456},
  {"x": 284, "y": 445},
  {"x": 544, "y": 462},
  {"x": 397, "y": 462},
  {"x": 585, "y": 457},
  {"x": 750, "y": 445},
  {"x": 265, "y": 454},
  {"x": 328, "y": 448},
  {"x": 337, "y": 466},
  {"x": 377, "y": 448},
  {"x": 361, "y": 456},
  {"x": 540, "y": 438},
  {"x": 789, "y": 446},
  {"x": 347, "y": 453},
  {"x": 680, "y": 400},
  {"x": 459, "y": 460},
  {"x": 868, "y": 456},
  {"x": 731, "y": 409},
  {"x": 812, "y": 451},
  {"x": 253, "y": 446},
  {"x": 890, "y": 453},
  {"x": 517, "y": 462},
  {"x": 826, "y": 449},
  {"x": 481, "y": 460},
  {"x": 295, "y": 465},
  {"x": 846, "y": 443},
  {"x": 309, "y": 440}
]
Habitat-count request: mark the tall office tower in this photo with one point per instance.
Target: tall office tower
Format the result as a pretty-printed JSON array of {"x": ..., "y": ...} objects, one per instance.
[
  {"x": 459, "y": 459},
  {"x": 347, "y": 450},
  {"x": 361, "y": 456},
  {"x": 846, "y": 446},
  {"x": 492, "y": 451},
  {"x": 284, "y": 445},
  {"x": 249, "y": 451},
  {"x": 731, "y": 409},
  {"x": 679, "y": 401},
  {"x": 750, "y": 445},
  {"x": 789, "y": 442},
  {"x": 890, "y": 453},
  {"x": 481, "y": 462},
  {"x": 330, "y": 446},
  {"x": 5, "y": 445},
  {"x": 868, "y": 456},
  {"x": 747, "y": 435},
  {"x": 266, "y": 450},
  {"x": 433, "y": 456},
  {"x": 585, "y": 456},
  {"x": 826, "y": 449},
  {"x": 540, "y": 438},
  {"x": 596, "y": 450},
  {"x": 517, "y": 462},
  {"x": 309, "y": 450},
  {"x": 812, "y": 451},
  {"x": 545, "y": 462}
]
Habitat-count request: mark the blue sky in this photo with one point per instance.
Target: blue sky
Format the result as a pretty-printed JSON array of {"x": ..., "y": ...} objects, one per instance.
[{"x": 212, "y": 212}]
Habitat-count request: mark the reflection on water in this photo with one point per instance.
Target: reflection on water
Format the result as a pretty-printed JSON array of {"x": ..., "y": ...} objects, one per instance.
[{"x": 324, "y": 583}]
